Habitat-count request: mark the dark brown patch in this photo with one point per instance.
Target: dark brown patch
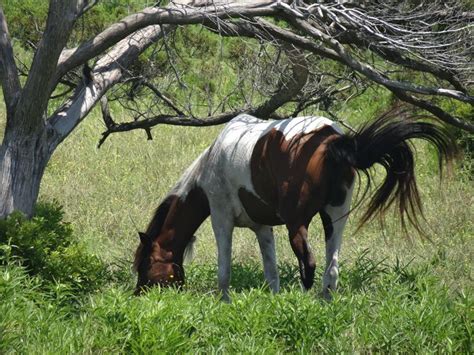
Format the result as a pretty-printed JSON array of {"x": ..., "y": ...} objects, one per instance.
[
  {"x": 183, "y": 219},
  {"x": 296, "y": 179},
  {"x": 292, "y": 176},
  {"x": 327, "y": 225},
  {"x": 298, "y": 235},
  {"x": 258, "y": 210},
  {"x": 154, "y": 228}
]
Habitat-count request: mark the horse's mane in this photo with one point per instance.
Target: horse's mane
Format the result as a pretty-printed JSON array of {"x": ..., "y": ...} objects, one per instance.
[{"x": 154, "y": 227}]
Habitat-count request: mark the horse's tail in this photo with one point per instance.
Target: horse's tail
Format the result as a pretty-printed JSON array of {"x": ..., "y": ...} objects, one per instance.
[{"x": 385, "y": 141}]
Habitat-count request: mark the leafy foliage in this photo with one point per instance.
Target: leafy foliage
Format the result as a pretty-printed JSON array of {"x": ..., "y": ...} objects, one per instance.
[
  {"x": 46, "y": 247},
  {"x": 26, "y": 19}
]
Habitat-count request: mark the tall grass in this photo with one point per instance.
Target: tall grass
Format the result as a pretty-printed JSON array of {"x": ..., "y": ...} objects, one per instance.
[{"x": 397, "y": 308}]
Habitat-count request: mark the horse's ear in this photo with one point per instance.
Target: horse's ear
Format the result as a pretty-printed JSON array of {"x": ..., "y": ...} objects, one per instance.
[{"x": 145, "y": 239}]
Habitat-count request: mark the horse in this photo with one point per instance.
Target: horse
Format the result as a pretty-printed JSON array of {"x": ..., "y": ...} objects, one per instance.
[{"x": 258, "y": 174}]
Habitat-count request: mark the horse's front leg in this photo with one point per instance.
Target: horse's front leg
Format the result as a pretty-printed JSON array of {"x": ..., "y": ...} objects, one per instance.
[
  {"x": 266, "y": 240},
  {"x": 298, "y": 234},
  {"x": 223, "y": 227}
]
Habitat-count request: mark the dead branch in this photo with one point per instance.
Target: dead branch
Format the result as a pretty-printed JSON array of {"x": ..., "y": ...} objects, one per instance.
[
  {"x": 372, "y": 74},
  {"x": 165, "y": 99},
  {"x": 264, "y": 30},
  {"x": 187, "y": 121},
  {"x": 184, "y": 15},
  {"x": 288, "y": 88}
]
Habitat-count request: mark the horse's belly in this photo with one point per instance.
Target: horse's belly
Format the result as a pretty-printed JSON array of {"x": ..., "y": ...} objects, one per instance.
[{"x": 257, "y": 210}]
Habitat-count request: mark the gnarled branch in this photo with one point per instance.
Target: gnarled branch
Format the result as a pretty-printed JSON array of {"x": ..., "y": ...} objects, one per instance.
[{"x": 184, "y": 15}]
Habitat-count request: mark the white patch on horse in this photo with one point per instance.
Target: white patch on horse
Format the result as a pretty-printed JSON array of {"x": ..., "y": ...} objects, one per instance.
[
  {"x": 338, "y": 216},
  {"x": 190, "y": 176}
]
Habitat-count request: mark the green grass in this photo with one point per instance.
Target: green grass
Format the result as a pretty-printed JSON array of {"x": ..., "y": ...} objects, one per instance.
[
  {"x": 397, "y": 294},
  {"x": 396, "y": 309}
]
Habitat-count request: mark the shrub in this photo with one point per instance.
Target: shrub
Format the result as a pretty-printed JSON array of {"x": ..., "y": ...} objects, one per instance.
[{"x": 46, "y": 247}]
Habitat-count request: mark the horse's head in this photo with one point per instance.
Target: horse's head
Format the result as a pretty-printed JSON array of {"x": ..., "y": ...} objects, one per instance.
[{"x": 152, "y": 268}]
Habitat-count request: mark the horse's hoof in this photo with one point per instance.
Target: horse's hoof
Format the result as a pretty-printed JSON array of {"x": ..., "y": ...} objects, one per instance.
[
  {"x": 327, "y": 294},
  {"x": 225, "y": 298}
]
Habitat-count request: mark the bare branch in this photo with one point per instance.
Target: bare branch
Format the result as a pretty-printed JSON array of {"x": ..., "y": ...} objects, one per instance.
[
  {"x": 184, "y": 15},
  {"x": 371, "y": 73},
  {"x": 436, "y": 33},
  {"x": 107, "y": 117},
  {"x": 265, "y": 30},
  {"x": 62, "y": 94},
  {"x": 165, "y": 99},
  {"x": 391, "y": 55},
  {"x": 322, "y": 98},
  {"x": 435, "y": 110},
  {"x": 187, "y": 121},
  {"x": 8, "y": 71},
  {"x": 328, "y": 44},
  {"x": 400, "y": 88},
  {"x": 108, "y": 71},
  {"x": 290, "y": 88}
]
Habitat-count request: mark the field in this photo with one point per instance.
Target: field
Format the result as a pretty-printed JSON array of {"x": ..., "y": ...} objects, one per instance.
[{"x": 397, "y": 293}]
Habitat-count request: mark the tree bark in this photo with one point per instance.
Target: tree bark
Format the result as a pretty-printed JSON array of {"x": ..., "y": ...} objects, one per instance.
[
  {"x": 24, "y": 151},
  {"x": 23, "y": 159}
]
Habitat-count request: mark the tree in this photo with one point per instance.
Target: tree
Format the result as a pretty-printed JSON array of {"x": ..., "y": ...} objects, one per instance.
[{"x": 377, "y": 42}]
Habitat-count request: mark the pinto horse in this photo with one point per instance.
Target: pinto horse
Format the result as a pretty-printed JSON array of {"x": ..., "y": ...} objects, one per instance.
[{"x": 258, "y": 174}]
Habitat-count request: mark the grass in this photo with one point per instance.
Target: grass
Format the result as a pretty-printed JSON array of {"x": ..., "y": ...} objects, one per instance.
[
  {"x": 398, "y": 308},
  {"x": 397, "y": 294}
]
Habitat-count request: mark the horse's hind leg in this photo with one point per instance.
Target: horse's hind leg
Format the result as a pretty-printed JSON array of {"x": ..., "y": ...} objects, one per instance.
[
  {"x": 334, "y": 219},
  {"x": 298, "y": 233},
  {"x": 223, "y": 228},
  {"x": 266, "y": 240}
]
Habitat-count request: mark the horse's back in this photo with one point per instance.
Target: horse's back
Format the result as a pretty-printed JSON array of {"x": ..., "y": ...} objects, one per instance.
[
  {"x": 244, "y": 130},
  {"x": 248, "y": 124}
]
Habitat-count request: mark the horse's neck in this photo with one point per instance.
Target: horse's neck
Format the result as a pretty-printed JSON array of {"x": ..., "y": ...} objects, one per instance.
[
  {"x": 188, "y": 208},
  {"x": 190, "y": 177},
  {"x": 185, "y": 215}
]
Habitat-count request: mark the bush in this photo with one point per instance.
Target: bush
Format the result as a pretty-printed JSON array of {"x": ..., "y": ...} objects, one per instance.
[{"x": 46, "y": 247}]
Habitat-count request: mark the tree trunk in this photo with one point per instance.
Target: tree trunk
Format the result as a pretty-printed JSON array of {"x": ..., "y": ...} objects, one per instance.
[{"x": 23, "y": 159}]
